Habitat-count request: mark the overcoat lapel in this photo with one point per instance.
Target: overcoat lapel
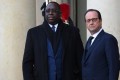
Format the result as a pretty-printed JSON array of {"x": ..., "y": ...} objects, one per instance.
[
  {"x": 42, "y": 43},
  {"x": 45, "y": 33}
]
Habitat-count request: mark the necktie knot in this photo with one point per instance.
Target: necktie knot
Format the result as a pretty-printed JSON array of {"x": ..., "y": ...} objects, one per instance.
[
  {"x": 90, "y": 38},
  {"x": 53, "y": 28}
]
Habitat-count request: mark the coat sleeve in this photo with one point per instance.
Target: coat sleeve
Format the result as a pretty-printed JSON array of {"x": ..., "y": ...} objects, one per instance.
[
  {"x": 27, "y": 64},
  {"x": 112, "y": 54},
  {"x": 79, "y": 52}
]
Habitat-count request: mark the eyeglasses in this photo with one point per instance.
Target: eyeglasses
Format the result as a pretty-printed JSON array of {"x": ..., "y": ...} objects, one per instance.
[
  {"x": 51, "y": 10},
  {"x": 93, "y": 20}
]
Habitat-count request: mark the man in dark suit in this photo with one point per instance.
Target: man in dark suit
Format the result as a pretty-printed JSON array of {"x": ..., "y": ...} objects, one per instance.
[
  {"x": 101, "y": 57},
  {"x": 52, "y": 52}
]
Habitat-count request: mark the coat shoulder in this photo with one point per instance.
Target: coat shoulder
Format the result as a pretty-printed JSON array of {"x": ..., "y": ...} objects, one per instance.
[
  {"x": 69, "y": 28},
  {"x": 35, "y": 28},
  {"x": 108, "y": 35}
]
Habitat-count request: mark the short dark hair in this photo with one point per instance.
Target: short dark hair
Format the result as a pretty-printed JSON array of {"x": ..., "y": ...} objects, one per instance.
[
  {"x": 56, "y": 5},
  {"x": 99, "y": 14}
]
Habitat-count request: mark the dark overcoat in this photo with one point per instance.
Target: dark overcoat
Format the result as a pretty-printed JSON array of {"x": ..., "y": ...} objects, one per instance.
[{"x": 35, "y": 60}]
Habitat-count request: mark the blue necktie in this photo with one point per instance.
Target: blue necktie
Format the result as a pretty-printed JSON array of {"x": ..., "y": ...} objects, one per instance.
[{"x": 53, "y": 28}]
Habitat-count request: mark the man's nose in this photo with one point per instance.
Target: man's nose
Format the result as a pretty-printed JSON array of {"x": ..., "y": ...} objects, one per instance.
[
  {"x": 51, "y": 12},
  {"x": 91, "y": 21}
]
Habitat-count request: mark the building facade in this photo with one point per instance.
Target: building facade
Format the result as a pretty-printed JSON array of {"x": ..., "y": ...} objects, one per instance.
[{"x": 17, "y": 16}]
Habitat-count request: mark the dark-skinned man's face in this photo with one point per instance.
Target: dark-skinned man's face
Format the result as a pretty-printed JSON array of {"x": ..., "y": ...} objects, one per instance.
[{"x": 52, "y": 13}]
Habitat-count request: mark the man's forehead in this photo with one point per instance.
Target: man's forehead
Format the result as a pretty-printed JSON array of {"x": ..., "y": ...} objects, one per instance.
[
  {"x": 92, "y": 14},
  {"x": 51, "y": 5}
]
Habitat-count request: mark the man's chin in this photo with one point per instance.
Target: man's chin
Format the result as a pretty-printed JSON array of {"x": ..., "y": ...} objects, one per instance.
[{"x": 52, "y": 22}]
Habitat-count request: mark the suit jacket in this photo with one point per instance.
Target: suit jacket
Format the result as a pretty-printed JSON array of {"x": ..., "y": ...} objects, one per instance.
[
  {"x": 35, "y": 60},
  {"x": 102, "y": 63}
]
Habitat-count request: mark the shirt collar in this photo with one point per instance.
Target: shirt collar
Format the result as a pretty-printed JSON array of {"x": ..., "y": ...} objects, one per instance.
[
  {"x": 56, "y": 25},
  {"x": 95, "y": 35}
]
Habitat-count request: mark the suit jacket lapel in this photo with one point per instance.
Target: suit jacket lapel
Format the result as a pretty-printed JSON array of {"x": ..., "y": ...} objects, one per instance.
[{"x": 94, "y": 44}]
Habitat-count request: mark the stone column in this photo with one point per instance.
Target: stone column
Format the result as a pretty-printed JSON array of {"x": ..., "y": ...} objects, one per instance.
[
  {"x": 16, "y": 17},
  {"x": 110, "y": 15}
]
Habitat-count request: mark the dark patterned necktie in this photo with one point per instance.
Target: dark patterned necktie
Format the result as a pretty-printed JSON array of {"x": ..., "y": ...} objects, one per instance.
[
  {"x": 89, "y": 42},
  {"x": 53, "y": 28}
]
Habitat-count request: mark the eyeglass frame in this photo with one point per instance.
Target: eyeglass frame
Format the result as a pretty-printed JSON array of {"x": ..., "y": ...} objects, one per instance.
[{"x": 93, "y": 20}]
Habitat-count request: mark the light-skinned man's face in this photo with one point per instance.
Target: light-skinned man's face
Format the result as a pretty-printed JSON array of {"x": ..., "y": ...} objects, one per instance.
[
  {"x": 52, "y": 13},
  {"x": 93, "y": 23}
]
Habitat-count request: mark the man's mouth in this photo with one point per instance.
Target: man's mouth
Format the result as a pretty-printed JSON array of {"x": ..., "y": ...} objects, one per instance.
[{"x": 50, "y": 18}]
